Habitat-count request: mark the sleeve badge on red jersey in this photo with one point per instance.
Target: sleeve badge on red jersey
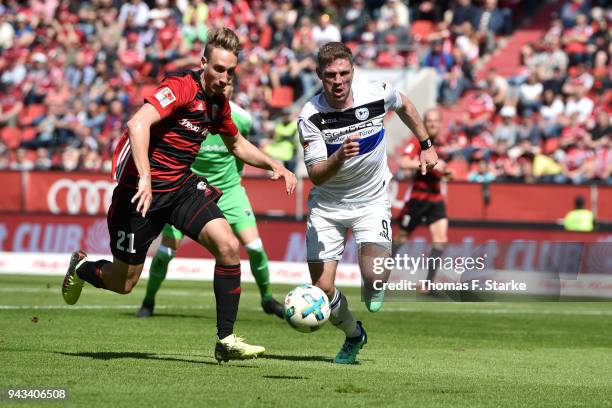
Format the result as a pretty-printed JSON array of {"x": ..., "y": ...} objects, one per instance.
[{"x": 165, "y": 97}]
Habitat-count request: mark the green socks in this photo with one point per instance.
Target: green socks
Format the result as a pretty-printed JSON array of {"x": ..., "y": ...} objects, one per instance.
[
  {"x": 157, "y": 274},
  {"x": 259, "y": 267},
  {"x": 257, "y": 259}
]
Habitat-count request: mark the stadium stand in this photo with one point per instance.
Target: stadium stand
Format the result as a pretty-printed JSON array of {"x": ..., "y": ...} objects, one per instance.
[
  {"x": 545, "y": 103},
  {"x": 72, "y": 72}
]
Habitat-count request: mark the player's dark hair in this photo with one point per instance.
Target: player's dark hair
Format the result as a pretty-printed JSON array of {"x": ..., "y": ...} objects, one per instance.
[
  {"x": 222, "y": 38},
  {"x": 332, "y": 51}
]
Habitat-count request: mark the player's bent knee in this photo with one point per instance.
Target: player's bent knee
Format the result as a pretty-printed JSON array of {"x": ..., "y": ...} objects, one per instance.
[{"x": 229, "y": 248}]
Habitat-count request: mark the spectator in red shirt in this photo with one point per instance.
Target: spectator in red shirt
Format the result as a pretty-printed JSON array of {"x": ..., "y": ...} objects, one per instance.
[
  {"x": 10, "y": 104},
  {"x": 480, "y": 110},
  {"x": 131, "y": 55},
  {"x": 576, "y": 38}
]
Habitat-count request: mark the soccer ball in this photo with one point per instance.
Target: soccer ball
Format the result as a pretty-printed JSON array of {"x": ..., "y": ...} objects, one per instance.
[{"x": 306, "y": 308}]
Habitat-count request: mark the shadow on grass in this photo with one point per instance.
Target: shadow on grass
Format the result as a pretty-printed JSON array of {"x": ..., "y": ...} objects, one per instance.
[
  {"x": 285, "y": 377},
  {"x": 296, "y": 358},
  {"x": 111, "y": 355}
]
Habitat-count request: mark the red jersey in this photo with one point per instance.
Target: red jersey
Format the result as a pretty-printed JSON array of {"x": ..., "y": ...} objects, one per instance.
[
  {"x": 424, "y": 187},
  {"x": 188, "y": 115}
]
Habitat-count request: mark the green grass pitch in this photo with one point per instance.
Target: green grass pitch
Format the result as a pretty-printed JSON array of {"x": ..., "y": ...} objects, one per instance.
[{"x": 420, "y": 354}]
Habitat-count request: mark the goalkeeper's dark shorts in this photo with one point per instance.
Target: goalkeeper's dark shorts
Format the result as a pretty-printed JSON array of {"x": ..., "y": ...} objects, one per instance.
[{"x": 188, "y": 208}]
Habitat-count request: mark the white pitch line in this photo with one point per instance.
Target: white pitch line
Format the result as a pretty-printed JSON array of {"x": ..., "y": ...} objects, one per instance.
[
  {"x": 170, "y": 292},
  {"x": 387, "y": 310},
  {"x": 101, "y": 307},
  {"x": 25, "y": 290}
]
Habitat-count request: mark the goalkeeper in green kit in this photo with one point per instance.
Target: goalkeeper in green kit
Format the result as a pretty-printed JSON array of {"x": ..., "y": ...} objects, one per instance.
[{"x": 222, "y": 170}]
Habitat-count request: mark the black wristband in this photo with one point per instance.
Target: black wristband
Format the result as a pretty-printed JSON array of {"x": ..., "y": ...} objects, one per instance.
[{"x": 426, "y": 144}]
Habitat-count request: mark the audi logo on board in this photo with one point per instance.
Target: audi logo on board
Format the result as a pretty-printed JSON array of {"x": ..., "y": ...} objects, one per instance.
[{"x": 72, "y": 194}]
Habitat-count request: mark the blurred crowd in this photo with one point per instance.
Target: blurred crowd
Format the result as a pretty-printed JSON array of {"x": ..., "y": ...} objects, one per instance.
[
  {"x": 71, "y": 73},
  {"x": 550, "y": 121}
]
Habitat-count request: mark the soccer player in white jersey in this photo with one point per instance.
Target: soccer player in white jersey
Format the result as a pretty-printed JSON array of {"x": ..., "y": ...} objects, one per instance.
[{"x": 342, "y": 132}]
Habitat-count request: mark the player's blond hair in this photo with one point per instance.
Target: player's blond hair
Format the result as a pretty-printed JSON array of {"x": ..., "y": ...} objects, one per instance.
[
  {"x": 222, "y": 38},
  {"x": 332, "y": 51}
]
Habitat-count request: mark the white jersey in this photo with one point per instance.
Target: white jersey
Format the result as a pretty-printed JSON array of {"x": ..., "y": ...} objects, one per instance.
[{"x": 361, "y": 179}]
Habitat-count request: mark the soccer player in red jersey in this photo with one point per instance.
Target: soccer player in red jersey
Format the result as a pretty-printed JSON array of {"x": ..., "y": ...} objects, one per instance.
[
  {"x": 426, "y": 203},
  {"x": 156, "y": 186}
]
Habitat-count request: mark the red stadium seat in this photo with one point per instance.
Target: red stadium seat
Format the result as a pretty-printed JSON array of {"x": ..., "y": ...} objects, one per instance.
[
  {"x": 28, "y": 133},
  {"x": 460, "y": 169},
  {"x": 421, "y": 29},
  {"x": 282, "y": 97},
  {"x": 11, "y": 137},
  {"x": 352, "y": 45},
  {"x": 29, "y": 113}
]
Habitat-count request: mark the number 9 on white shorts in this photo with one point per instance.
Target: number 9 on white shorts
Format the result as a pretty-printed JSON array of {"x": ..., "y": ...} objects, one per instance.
[{"x": 327, "y": 228}]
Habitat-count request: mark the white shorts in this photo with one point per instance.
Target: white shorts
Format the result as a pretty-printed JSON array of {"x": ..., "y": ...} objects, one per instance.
[{"x": 326, "y": 229}]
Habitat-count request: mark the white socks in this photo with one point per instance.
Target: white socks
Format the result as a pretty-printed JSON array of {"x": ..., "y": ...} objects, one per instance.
[{"x": 341, "y": 316}]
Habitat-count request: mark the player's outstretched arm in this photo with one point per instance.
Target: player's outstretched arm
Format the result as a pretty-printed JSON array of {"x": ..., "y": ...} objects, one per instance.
[
  {"x": 320, "y": 172},
  {"x": 139, "y": 131},
  {"x": 409, "y": 115},
  {"x": 248, "y": 153}
]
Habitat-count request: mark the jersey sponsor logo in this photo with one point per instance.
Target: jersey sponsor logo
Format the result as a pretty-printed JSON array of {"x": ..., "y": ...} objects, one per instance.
[
  {"x": 165, "y": 96},
  {"x": 362, "y": 113},
  {"x": 188, "y": 125},
  {"x": 214, "y": 149},
  {"x": 367, "y": 132},
  {"x": 328, "y": 121},
  {"x": 338, "y": 120},
  {"x": 337, "y": 134}
]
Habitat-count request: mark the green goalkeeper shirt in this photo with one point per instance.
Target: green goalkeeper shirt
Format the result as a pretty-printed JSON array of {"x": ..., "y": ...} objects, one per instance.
[{"x": 222, "y": 169}]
